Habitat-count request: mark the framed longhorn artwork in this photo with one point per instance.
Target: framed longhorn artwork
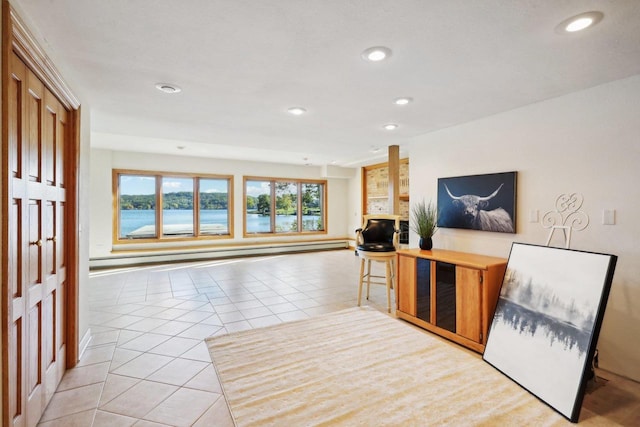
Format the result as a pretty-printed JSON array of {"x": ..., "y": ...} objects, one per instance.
[{"x": 478, "y": 202}]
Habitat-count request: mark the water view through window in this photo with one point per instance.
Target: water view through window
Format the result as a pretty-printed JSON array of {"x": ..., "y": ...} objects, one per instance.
[
  {"x": 132, "y": 221},
  {"x": 312, "y": 197},
  {"x": 200, "y": 206},
  {"x": 286, "y": 207},
  {"x": 258, "y": 206},
  {"x": 137, "y": 206},
  {"x": 214, "y": 199},
  {"x": 177, "y": 206},
  {"x": 293, "y": 206},
  {"x": 138, "y": 197}
]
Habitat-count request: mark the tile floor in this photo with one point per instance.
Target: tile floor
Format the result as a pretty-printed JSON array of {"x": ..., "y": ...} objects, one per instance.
[{"x": 147, "y": 364}]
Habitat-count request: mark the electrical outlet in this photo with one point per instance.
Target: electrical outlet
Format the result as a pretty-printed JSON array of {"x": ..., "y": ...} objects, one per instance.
[{"x": 533, "y": 215}]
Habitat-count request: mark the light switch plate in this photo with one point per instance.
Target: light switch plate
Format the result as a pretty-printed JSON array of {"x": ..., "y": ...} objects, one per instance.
[{"x": 609, "y": 217}]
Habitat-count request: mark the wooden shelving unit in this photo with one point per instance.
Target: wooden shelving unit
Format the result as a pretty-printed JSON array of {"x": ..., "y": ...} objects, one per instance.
[
  {"x": 452, "y": 294},
  {"x": 375, "y": 189}
]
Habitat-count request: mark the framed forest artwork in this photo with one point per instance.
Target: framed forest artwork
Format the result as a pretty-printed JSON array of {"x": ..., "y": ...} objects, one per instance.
[{"x": 547, "y": 320}]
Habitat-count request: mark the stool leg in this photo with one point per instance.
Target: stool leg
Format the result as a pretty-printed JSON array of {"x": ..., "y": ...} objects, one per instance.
[
  {"x": 389, "y": 279},
  {"x": 368, "y": 277},
  {"x": 393, "y": 273},
  {"x": 360, "y": 281},
  {"x": 394, "y": 281}
]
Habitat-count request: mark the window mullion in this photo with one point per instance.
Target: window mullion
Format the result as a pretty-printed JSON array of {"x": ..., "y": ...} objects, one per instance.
[
  {"x": 158, "y": 206},
  {"x": 299, "y": 206},
  {"x": 196, "y": 207},
  {"x": 272, "y": 208}
]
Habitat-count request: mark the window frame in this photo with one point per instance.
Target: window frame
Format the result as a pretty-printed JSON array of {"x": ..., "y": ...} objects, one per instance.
[
  {"x": 159, "y": 236},
  {"x": 299, "y": 206}
]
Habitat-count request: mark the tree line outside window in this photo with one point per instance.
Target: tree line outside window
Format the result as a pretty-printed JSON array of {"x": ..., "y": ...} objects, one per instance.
[{"x": 284, "y": 206}]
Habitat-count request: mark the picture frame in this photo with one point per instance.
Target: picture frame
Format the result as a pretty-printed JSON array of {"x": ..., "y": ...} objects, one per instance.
[
  {"x": 547, "y": 321},
  {"x": 478, "y": 202}
]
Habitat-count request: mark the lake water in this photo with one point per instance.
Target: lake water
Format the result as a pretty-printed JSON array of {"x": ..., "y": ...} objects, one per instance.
[{"x": 132, "y": 220}]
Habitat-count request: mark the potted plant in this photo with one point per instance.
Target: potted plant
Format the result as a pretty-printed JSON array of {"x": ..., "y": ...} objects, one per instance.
[{"x": 424, "y": 223}]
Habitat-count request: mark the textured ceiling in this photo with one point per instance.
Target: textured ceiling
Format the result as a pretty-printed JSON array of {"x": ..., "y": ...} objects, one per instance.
[{"x": 242, "y": 63}]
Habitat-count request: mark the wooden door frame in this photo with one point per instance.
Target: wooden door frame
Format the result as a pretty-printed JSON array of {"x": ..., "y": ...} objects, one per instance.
[{"x": 17, "y": 38}]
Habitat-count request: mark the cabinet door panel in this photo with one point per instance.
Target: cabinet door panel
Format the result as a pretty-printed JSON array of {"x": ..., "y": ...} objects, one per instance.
[
  {"x": 446, "y": 301},
  {"x": 469, "y": 303},
  {"x": 406, "y": 284},
  {"x": 423, "y": 289}
]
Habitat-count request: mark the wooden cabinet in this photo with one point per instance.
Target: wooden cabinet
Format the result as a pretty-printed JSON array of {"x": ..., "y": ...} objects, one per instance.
[{"x": 451, "y": 293}]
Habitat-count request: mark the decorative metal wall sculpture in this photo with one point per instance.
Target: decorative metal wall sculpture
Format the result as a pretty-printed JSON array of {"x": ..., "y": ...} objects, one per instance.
[{"x": 567, "y": 217}]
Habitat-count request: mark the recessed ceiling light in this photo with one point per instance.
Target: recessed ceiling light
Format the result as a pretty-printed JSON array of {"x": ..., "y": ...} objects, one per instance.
[
  {"x": 402, "y": 101},
  {"x": 296, "y": 111},
  {"x": 579, "y": 22},
  {"x": 390, "y": 126},
  {"x": 376, "y": 53},
  {"x": 168, "y": 88}
]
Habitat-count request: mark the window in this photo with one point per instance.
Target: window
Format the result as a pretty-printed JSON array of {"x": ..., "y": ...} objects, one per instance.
[
  {"x": 312, "y": 207},
  {"x": 286, "y": 207},
  {"x": 274, "y": 206},
  {"x": 258, "y": 207},
  {"x": 192, "y": 206},
  {"x": 177, "y": 206},
  {"x": 137, "y": 206},
  {"x": 214, "y": 205}
]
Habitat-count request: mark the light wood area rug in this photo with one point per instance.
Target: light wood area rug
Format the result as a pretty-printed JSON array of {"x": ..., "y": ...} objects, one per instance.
[{"x": 362, "y": 367}]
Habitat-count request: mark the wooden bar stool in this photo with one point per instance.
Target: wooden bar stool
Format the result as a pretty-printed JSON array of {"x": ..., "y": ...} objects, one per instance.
[{"x": 377, "y": 241}]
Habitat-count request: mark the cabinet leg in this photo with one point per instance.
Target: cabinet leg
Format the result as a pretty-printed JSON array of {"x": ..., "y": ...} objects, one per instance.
[
  {"x": 393, "y": 273},
  {"x": 389, "y": 280},
  {"x": 368, "y": 277}
]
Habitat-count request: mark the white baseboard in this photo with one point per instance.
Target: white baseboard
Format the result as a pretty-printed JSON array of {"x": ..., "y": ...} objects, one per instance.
[
  {"x": 84, "y": 343},
  {"x": 142, "y": 257}
]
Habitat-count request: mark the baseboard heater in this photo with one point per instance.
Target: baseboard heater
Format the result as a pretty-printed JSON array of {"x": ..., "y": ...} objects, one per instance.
[{"x": 137, "y": 258}]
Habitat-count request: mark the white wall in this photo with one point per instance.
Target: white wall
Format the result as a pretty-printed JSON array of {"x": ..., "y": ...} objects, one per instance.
[
  {"x": 354, "y": 212},
  {"x": 586, "y": 142},
  {"x": 103, "y": 161},
  {"x": 83, "y": 228}
]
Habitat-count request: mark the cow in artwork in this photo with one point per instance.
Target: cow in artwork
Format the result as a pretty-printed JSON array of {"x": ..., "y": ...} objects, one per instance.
[{"x": 480, "y": 219}]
